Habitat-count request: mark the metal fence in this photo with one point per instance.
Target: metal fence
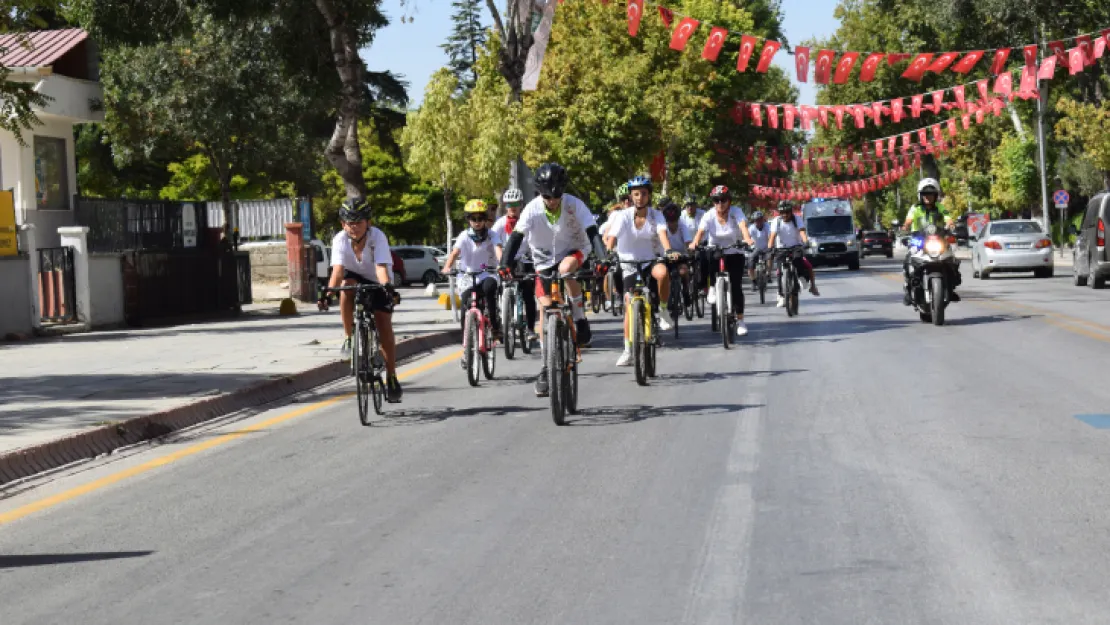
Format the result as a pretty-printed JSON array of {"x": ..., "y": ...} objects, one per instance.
[
  {"x": 119, "y": 225},
  {"x": 257, "y": 219},
  {"x": 57, "y": 285},
  {"x": 174, "y": 284}
]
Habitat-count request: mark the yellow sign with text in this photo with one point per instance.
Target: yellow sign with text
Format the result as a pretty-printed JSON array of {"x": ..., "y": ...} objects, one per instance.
[{"x": 8, "y": 232}]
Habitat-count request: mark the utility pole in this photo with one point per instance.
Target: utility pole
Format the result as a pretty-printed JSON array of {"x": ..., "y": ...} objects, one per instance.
[{"x": 1040, "y": 139}]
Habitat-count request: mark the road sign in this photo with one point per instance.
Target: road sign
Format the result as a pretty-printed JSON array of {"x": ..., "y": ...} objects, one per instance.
[{"x": 1061, "y": 198}]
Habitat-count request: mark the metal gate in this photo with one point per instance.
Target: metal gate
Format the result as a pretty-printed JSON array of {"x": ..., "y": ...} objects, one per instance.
[
  {"x": 182, "y": 283},
  {"x": 57, "y": 285}
]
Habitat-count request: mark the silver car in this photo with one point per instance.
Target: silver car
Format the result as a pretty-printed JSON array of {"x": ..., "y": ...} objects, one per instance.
[
  {"x": 421, "y": 263},
  {"x": 1012, "y": 245}
]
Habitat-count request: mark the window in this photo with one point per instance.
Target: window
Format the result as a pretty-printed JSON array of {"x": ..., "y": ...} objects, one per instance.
[
  {"x": 51, "y": 174},
  {"x": 1020, "y": 227}
]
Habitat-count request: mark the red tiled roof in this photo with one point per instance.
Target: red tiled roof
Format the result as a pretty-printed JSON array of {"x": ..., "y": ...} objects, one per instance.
[{"x": 39, "y": 48}]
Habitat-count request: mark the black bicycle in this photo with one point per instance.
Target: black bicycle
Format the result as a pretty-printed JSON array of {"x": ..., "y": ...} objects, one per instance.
[
  {"x": 791, "y": 287},
  {"x": 699, "y": 282},
  {"x": 367, "y": 361},
  {"x": 514, "y": 320},
  {"x": 561, "y": 352},
  {"x": 680, "y": 301}
]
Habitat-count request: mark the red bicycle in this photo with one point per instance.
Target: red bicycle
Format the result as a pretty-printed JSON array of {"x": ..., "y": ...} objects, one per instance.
[{"x": 479, "y": 340}]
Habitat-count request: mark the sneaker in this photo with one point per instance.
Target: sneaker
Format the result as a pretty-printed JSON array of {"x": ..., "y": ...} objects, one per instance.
[
  {"x": 582, "y": 328},
  {"x": 393, "y": 390},
  {"x": 906, "y": 301},
  {"x": 781, "y": 303},
  {"x": 741, "y": 328},
  {"x": 814, "y": 291},
  {"x": 626, "y": 357},
  {"x": 664, "y": 323},
  {"x": 345, "y": 349},
  {"x": 541, "y": 383},
  {"x": 711, "y": 297},
  {"x": 953, "y": 296},
  {"x": 532, "y": 337}
]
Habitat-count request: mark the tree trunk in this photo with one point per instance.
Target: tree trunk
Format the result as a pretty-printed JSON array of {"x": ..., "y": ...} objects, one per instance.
[
  {"x": 223, "y": 176},
  {"x": 447, "y": 212},
  {"x": 1017, "y": 121},
  {"x": 343, "y": 150},
  {"x": 1106, "y": 180}
]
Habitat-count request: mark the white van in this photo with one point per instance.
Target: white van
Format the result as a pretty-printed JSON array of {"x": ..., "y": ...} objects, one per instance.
[{"x": 832, "y": 233}]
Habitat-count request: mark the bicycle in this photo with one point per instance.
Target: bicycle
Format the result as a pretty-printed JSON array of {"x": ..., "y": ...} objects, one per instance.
[
  {"x": 593, "y": 287},
  {"x": 642, "y": 323},
  {"x": 791, "y": 287},
  {"x": 721, "y": 318},
  {"x": 698, "y": 294},
  {"x": 561, "y": 353},
  {"x": 479, "y": 348},
  {"x": 679, "y": 302},
  {"x": 367, "y": 361},
  {"x": 514, "y": 321},
  {"x": 616, "y": 301},
  {"x": 761, "y": 276}
]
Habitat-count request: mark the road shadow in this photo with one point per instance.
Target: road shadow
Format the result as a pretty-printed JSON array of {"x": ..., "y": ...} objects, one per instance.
[
  {"x": 981, "y": 319},
  {"x": 47, "y": 559},
  {"x": 622, "y": 415},
  {"x": 682, "y": 379},
  {"x": 428, "y": 416}
]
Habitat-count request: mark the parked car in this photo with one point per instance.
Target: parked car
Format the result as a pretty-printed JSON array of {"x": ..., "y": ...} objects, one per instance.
[
  {"x": 1090, "y": 263},
  {"x": 1012, "y": 245},
  {"x": 877, "y": 242},
  {"x": 422, "y": 263}
]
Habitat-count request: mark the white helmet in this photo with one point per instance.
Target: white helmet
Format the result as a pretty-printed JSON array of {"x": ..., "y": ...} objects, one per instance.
[
  {"x": 513, "y": 195},
  {"x": 927, "y": 184}
]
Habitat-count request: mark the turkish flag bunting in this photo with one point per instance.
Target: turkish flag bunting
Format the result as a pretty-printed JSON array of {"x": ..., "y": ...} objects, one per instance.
[
  {"x": 943, "y": 61},
  {"x": 877, "y": 113},
  {"x": 714, "y": 43},
  {"x": 915, "y": 105},
  {"x": 1076, "y": 60},
  {"x": 747, "y": 47},
  {"x": 844, "y": 67},
  {"x": 896, "y": 58},
  {"x": 1100, "y": 46},
  {"x": 757, "y": 114},
  {"x": 981, "y": 113},
  {"x": 823, "y": 115},
  {"x": 667, "y": 16},
  {"x": 891, "y": 144},
  {"x": 838, "y": 112},
  {"x": 965, "y": 119},
  {"x": 1000, "y": 57},
  {"x": 896, "y": 110},
  {"x": 870, "y": 66},
  {"x": 922, "y": 136},
  {"x": 1058, "y": 49},
  {"x": 858, "y": 112},
  {"x": 836, "y": 167},
  {"x": 879, "y": 148},
  {"x": 938, "y": 101},
  {"x": 823, "y": 66},
  {"x": 836, "y": 154},
  {"x": 635, "y": 13},
  {"x": 917, "y": 67},
  {"x": 789, "y": 113},
  {"x": 917, "y": 160},
  {"x": 772, "y": 116},
  {"x": 938, "y": 135},
  {"x": 958, "y": 91},
  {"x": 801, "y": 62},
  {"x": 770, "y": 48},
  {"x": 969, "y": 61},
  {"x": 984, "y": 89},
  {"x": 682, "y": 34},
  {"x": 952, "y": 126},
  {"x": 1048, "y": 68},
  {"x": 1030, "y": 53},
  {"x": 1004, "y": 84},
  {"x": 808, "y": 115},
  {"x": 738, "y": 112}
]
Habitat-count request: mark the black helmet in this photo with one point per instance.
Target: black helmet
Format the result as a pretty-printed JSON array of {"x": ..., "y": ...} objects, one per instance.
[
  {"x": 551, "y": 180},
  {"x": 786, "y": 206},
  {"x": 354, "y": 209},
  {"x": 689, "y": 200},
  {"x": 670, "y": 210}
]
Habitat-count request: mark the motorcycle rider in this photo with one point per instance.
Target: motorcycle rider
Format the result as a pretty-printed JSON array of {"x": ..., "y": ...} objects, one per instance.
[{"x": 928, "y": 211}]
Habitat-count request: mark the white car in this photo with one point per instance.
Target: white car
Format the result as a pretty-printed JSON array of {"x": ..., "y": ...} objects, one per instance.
[
  {"x": 422, "y": 263},
  {"x": 1012, "y": 245}
]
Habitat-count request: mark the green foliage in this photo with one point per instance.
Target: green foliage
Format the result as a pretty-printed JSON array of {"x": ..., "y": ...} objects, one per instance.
[
  {"x": 1086, "y": 129},
  {"x": 466, "y": 38},
  {"x": 1016, "y": 179},
  {"x": 98, "y": 174}
]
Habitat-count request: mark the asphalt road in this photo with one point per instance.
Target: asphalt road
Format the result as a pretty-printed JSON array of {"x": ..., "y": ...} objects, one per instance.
[{"x": 848, "y": 466}]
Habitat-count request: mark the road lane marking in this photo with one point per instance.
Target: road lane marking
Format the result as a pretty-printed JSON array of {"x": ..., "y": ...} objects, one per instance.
[{"x": 108, "y": 480}]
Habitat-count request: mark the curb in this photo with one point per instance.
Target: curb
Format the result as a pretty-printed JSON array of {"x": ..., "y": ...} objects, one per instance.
[{"x": 30, "y": 461}]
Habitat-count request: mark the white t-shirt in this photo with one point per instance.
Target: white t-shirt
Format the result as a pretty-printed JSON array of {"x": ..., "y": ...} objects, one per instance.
[
  {"x": 551, "y": 243},
  {"x": 501, "y": 238},
  {"x": 786, "y": 233},
  {"x": 760, "y": 237},
  {"x": 376, "y": 252},
  {"x": 679, "y": 238},
  {"x": 690, "y": 224},
  {"x": 724, "y": 235},
  {"x": 637, "y": 245},
  {"x": 475, "y": 257}
]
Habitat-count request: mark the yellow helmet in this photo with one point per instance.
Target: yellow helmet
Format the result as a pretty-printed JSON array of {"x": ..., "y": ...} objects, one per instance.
[{"x": 475, "y": 206}]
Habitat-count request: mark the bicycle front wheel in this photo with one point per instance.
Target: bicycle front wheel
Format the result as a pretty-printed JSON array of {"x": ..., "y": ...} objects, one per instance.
[
  {"x": 639, "y": 341},
  {"x": 471, "y": 349},
  {"x": 377, "y": 385},
  {"x": 508, "y": 322},
  {"x": 360, "y": 365},
  {"x": 725, "y": 309},
  {"x": 489, "y": 353},
  {"x": 762, "y": 277},
  {"x": 556, "y": 351}
]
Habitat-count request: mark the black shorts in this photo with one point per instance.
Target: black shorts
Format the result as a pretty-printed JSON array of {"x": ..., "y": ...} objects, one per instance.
[
  {"x": 377, "y": 299},
  {"x": 628, "y": 280}
]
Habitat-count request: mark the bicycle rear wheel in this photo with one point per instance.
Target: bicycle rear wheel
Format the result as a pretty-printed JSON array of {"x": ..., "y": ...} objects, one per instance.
[
  {"x": 470, "y": 348},
  {"x": 571, "y": 360},
  {"x": 556, "y": 352},
  {"x": 377, "y": 385},
  {"x": 790, "y": 287},
  {"x": 508, "y": 322},
  {"x": 725, "y": 309},
  {"x": 489, "y": 356},
  {"x": 639, "y": 341},
  {"x": 761, "y": 275},
  {"x": 360, "y": 364}
]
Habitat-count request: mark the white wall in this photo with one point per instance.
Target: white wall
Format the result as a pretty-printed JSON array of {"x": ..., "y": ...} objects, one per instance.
[
  {"x": 72, "y": 98},
  {"x": 106, "y": 284},
  {"x": 17, "y": 170},
  {"x": 15, "y": 305}
]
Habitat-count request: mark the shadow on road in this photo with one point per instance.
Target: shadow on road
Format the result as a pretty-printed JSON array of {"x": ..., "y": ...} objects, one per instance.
[
  {"x": 46, "y": 559},
  {"x": 427, "y": 416},
  {"x": 620, "y": 415},
  {"x": 680, "y": 379}
]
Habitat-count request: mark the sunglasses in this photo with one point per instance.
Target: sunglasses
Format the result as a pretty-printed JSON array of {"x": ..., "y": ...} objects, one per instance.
[
  {"x": 720, "y": 201},
  {"x": 551, "y": 197},
  {"x": 475, "y": 218},
  {"x": 354, "y": 223}
]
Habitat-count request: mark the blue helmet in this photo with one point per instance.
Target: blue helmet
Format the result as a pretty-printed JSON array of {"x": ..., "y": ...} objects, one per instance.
[{"x": 639, "y": 182}]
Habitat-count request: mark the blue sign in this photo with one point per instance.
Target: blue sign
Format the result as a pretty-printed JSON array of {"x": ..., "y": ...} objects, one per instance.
[{"x": 1061, "y": 198}]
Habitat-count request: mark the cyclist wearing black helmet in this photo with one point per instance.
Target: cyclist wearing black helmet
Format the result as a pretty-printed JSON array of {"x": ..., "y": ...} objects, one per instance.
[
  {"x": 561, "y": 232},
  {"x": 724, "y": 227},
  {"x": 760, "y": 232},
  {"x": 360, "y": 255}
]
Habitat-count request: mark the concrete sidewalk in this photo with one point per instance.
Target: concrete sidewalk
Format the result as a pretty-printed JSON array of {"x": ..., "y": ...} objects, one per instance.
[{"x": 58, "y": 387}]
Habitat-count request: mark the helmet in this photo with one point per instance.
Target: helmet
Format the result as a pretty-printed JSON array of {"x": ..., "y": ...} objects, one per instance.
[
  {"x": 720, "y": 191},
  {"x": 622, "y": 191},
  {"x": 689, "y": 200},
  {"x": 354, "y": 209},
  {"x": 670, "y": 210},
  {"x": 757, "y": 215},
  {"x": 786, "y": 206},
  {"x": 928, "y": 185},
  {"x": 639, "y": 182},
  {"x": 512, "y": 195},
  {"x": 551, "y": 179},
  {"x": 475, "y": 207}
]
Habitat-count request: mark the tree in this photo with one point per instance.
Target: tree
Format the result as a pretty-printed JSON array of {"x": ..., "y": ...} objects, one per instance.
[
  {"x": 99, "y": 175},
  {"x": 467, "y": 36},
  {"x": 1086, "y": 128},
  {"x": 1016, "y": 178}
]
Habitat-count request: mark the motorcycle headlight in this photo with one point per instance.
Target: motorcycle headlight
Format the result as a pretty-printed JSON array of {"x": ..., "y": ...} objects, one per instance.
[{"x": 935, "y": 246}]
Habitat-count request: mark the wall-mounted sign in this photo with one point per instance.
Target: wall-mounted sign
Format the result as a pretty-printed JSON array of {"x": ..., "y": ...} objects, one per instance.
[
  {"x": 9, "y": 246},
  {"x": 189, "y": 225}
]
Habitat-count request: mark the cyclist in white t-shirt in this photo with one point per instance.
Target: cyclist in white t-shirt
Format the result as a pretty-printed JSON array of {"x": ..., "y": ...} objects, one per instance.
[
  {"x": 726, "y": 226},
  {"x": 788, "y": 230},
  {"x": 476, "y": 250},
  {"x": 761, "y": 233},
  {"x": 360, "y": 255},
  {"x": 513, "y": 201}
]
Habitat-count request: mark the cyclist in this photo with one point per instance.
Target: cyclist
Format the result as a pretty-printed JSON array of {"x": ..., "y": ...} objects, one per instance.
[
  {"x": 680, "y": 238},
  {"x": 725, "y": 226},
  {"x": 690, "y": 220},
  {"x": 636, "y": 234},
  {"x": 929, "y": 211},
  {"x": 617, "y": 280},
  {"x": 561, "y": 232},
  {"x": 360, "y": 254},
  {"x": 476, "y": 251},
  {"x": 513, "y": 200},
  {"x": 624, "y": 198},
  {"x": 788, "y": 230},
  {"x": 760, "y": 233}
]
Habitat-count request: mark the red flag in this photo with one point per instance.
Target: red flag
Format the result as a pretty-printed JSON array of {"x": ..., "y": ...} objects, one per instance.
[
  {"x": 938, "y": 101},
  {"x": 768, "y": 55},
  {"x": 667, "y": 16},
  {"x": 1100, "y": 46},
  {"x": 801, "y": 62},
  {"x": 922, "y": 136},
  {"x": 983, "y": 89},
  {"x": 747, "y": 47},
  {"x": 870, "y": 66},
  {"x": 943, "y": 61},
  {"x": 906, "y": 142},
  {"x": 958, "y": 90},
  {"x": 808, "y": 115},
  {"x": 838, "y": 112},
  {"x": 714, "y": 43},
  {"x": 896, "y": 58},
  {"x": 772, "y": 116},
  {"x": 757, "y": 115},
  {"x": 1061, "y": 54},
  {"x": 635, "y": 13},
  {"x": 999, "y": 62},
  {"x": 896, "y": 110},
  {"x": 1048, "y": 68},
  {"x": 823, "y": 66},
  {"x": 915, "y": 105},
  {"x": 844, "y": 67},
  {"x": 879, "y": 148},
  {"x": 789, "y": 112},
  {"x": 969, "y": 61},
  {"x": 682, "y": 34},
  {"x": 1030, "y": 53},
  {"x": 891, "y": 144},
  {"x": 952, "y": 126},
  {"x": 823, "y": 115},
  {"x": 1004, "y": 84},
  {"x": 1076, "y": 60},
  {"x": 877, "y": 111},
  {"x": 917, "y": 67},
  {"x": 858, "y": 112},
  {"x": 938, "y": 135},
  {"x": 738, "y": 111},
  {"x": 981, "y": 113},
  {"x": 965, "y": 119}
]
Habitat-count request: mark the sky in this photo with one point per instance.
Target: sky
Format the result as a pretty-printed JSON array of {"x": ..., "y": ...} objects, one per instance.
[{"x": 412, "y": 48}]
